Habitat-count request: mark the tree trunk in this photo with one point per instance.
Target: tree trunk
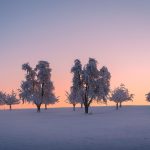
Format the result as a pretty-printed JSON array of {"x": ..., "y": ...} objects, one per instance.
[
  {"x": 42, "y": 90},
  {"x": 86, "y": 109},
  {"x": 86, "y": 103},
  {"x": 117, "y": 106},
  {"x": 86, "y": 106},
  {"x": 74, "y": 107},
  {"x": 10, "y": 107},
  {"x": 38, "y": 108},
  {"x": 120, "y": 105},
  {"x": 45, "y": 106},
  {"x": 81, "y": 105}
]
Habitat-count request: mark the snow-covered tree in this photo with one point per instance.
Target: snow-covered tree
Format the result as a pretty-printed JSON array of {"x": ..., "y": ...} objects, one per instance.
[
  {"x": 30, "y": 87},
  {"x": 147, "y": 97},
  {"x": 11, "y": 99},
  {"x": 38, "y": 87},
  {"x": 120, "y": 94},
  {"x": 74, "y": 96},
  {"x": 104, "y": 83},
  {"x": 2, "y": 98},
  {"x": 44, "y": 79},
  {"x": 95, "y": 83}
]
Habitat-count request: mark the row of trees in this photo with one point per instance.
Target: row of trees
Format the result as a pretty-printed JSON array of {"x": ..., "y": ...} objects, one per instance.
[
  {"x": 118, "y": 95},
  {"x": 89, "y": 84}
]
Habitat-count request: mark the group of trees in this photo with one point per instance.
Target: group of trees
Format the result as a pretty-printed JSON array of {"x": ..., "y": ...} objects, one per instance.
[
  {"x": 92, "y": 84},
  {"x": 89, "y": 84},
  {"x": 9, "y": 99}
]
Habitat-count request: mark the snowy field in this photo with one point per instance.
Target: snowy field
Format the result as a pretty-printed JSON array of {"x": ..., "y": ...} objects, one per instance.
[{"x": 62, "y": 129}]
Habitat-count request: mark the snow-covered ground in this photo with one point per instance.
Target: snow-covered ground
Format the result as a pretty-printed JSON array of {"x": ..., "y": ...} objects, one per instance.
[{"x": 62, "y": 129}]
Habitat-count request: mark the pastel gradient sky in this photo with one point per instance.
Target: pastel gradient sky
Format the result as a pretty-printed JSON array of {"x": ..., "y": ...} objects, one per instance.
[{"x": 115, "y": 32}]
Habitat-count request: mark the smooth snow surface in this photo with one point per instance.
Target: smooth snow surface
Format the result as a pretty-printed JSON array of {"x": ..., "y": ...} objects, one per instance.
[{"x": 62, "y": 129}]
